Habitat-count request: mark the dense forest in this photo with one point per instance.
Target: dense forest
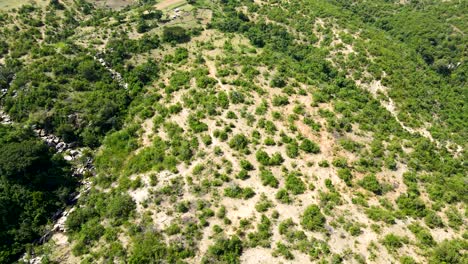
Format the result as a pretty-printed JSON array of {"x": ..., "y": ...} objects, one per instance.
[
  {"x": 325, "y": 131},
  {"x": 34, "y": 184}
]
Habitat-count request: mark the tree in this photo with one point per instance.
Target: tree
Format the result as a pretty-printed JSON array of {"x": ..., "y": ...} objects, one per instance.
[
  {"x": 309, "y": 146},
  {"x": 239, "y": 142},
  {"x": 313, "y": 219},
  {"x": 34, "y": 183},
  {"x": 370, "y": 183},
  {"x": 175, "y": 34},
  {"x": 224, "y": 251}
]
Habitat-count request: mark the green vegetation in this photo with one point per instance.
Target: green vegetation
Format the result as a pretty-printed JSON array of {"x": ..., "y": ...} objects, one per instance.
[
  {"x": 313, "y": 219},
  {"x": 188, "y": 112},
  {"x": 35, "y": 183}
]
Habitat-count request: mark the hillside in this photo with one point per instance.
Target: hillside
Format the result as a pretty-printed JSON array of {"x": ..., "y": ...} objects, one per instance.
[{"x": 237, "y": 131}]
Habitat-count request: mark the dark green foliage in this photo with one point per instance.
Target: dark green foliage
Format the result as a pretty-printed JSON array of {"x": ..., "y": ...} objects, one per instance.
[
  {"x": 279, "y": 100},
  {"x": 345, "y": 175},
  {"x": 411, "y": 205},
  {"x": 283, "y": 250},
  {"x": 268, "y": 179},
  {"x": 309, "y": 146},
  {"x": 450, "y": 252},
  {"x": 224, "y": 251},
  {"x": 455, "y": 219},
  {"x": 432, "y": 220},
  {"x": 370, "y": 183},
  {"x": 263, "y": 235},
  {"x": 239, "y": 193},
  {"x": 265, "y": 159},
  {"x": 292, "y": 150},
  {"x": 149, "y": 247},
  {"x": 175, "y": 34},
  {"x": 246, "y": 165},
  {"x": 313, "y": 219},
  {"x": 340, "y": 162},
  {"x": 263, "y": 204},
  {"x": 380, "y": 214},
  {"x": 283, "y": 196},
  {"x": 196, "y": 125},
  {"x": 82, "y": 102},
  {"x": 120, "y": 206},
  {"x": 393, "y": 242},
  {"x": 423, "y": 235},
  {"x": 239, "y": 142},
  {"x": 34, "y": 184},
  {"x": 294, "y": 184}
]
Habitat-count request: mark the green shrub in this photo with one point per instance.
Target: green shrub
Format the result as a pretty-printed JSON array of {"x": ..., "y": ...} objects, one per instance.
[
  {"x": 313, "y": 219},
  {"x": 268, "y": 179},
  {"x": 175, "y": 34},
  {"x": 279, "y": 100},
  {"x": 449, "y": 251},
  {"x": 423, "y": 235},
  {"x": 393, "y": 242},
  {"x": 294, "y": 184},
  {"x": 246, "y": 165},
  {"x": 224, "y": 251},
  {"x": 292, "y": 150},
  {"x": 455, "y": 219},
  {"x": 345, "y": 175},
  {"x": 411, "y": 205},
  {"x": 283, "y": 196},
  {"x": 239, "y": 193},
  {"x": 239, "y": 142},
  {"x": 263, "y": 204},
  {"x": 379, "y": 214},
  {"x": 309, "y": 146},
  {"x": 370, "y": 183},
  {"x": 433, "y": 220},
  {"x": 283, "y": 250},
  {"x": 340, "y": 162}
]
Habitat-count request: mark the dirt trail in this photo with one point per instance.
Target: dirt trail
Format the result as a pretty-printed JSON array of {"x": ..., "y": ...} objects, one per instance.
[{"x": 148, "y": 131}]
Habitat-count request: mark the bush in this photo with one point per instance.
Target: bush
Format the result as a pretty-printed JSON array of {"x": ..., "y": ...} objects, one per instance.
[
  {"x": 340, "y": 162},
  {"x": 276, "y": 159},
  {"x": 238, "y": 192},
  {"x": 239, "y": 142},
  {"x": 411, "y": 205},
  {"x": 246, "y": 165},
  {"x": 432, "y": 220},
  {"x": 370, "y": 183},
  {"x": 309, "y": 146},
  {"x": 378, "y": 214},
  {"x": 292, "y": 150},
  {"x": 264, "y": 159},
  {"x": 313, "y": 219},
  {"x": 175, "y": 34},
  {"x": 268, "y": 179},
  {"x": 120, "y": 206},
  {"x": 393, "y": 242},
  {"x": 295, "y": 184},
  {"x": 455, "y": 219},
  {"x": 422, "y": 235},
  {"x": 279, "y": 100},
  {"x": 283, "y": 196},
  {"x": 345, "y": 175},
  {"x": 450, "y": 252},
  {"x": 224, "y": 251},
  {"x": 263, "y": 204}
]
